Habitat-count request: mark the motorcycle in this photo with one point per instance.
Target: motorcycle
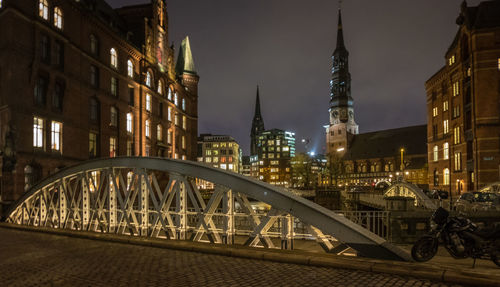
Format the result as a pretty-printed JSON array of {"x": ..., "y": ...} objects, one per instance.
[{"x": 461, "y": 238}]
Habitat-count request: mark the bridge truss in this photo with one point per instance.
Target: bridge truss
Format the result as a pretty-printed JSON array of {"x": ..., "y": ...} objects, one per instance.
[{"x": 158, "y": 198}]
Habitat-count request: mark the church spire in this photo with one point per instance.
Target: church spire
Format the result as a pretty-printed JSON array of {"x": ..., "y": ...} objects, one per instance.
[
  {"x": 340, "y": 34},
  {"x": 257, "y": 125}
]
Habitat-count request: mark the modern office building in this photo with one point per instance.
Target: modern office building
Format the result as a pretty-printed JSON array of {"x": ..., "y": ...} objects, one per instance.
[{"x": 81, "y": 80}]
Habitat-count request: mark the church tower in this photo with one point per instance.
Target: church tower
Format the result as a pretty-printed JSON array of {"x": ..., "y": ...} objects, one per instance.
[
  {"x": 342, "y": 125},
  {"x": 257, "y": 126}
]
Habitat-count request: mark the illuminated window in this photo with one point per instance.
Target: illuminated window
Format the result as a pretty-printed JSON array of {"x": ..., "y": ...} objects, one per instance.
[
  {"x": 446, "y": 127},
  {"x": 176, "y": 99},
  {"x": 223, "y": 166},
  {"x": 159, "y": 133},
  {"x": 445, "y": 106},
  {"x": 183, "y": 104},
  {"x": 113, "y": 58},
  {"x": 37, "y": 132},
  {"x": 58, "y": 17},
  {"x": 148, "y": 128},
  {"x": 148, "y": 79},
  {"x": 130, "y": 69},
  {"x": 446, "y": 176},
  {"x": 43, "y": 9},
  {"x": 183, "y": 142},
  {"x": 170, "y": 93},
  {"x": 184, "y": 122},
  {"x": 160, "y": 88},
  {"x": 176, "y": 122},
  {"x": 456, "y": 89},
  {"x": 458, "y": 161},
  {"x": 169, "y": 139},
  {"x": 285, "y": 148},
  {"x": 435, "y": 112},
  {"x": 0, "y": 3},
  {"x": 94, "y": 45},
  {"x": 114, "y": 87},
  {"x": 456, "y": 135},
  {"x": 231, "y": 166},
  {"x": 169, "y": 113},
  {"x": 456, "y": 111},
  {"x": 113, "y": 121},
  {"x": 148, "y": 102},
  {"x": 130, "y": 122},
  {"x": 436, "y": 153},
  {"x": 499, "y": 64},
  {"x": 208, "y": 159},
  {"x": 451, "y": 60},
  {"x": 184, "y": 157},
  {"x": 92, "y": 144},
  {"x": 112, "y": 147},
  {"x": 130, "y": 177},
  {"x": 446, "y": 151}
]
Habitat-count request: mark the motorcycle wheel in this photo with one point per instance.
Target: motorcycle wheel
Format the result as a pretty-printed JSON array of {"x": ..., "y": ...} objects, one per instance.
[{"x": 424, "y": 249}]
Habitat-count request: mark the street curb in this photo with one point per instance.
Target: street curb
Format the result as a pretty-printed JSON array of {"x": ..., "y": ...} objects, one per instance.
[{"x": 445, "y": 275}]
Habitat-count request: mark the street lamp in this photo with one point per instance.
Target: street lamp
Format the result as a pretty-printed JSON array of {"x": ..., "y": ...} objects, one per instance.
[{"x": 402, "y": 166}]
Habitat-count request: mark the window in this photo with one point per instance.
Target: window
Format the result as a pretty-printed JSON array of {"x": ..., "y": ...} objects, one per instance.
[
  {"x": 446, "y": 176},
  {"x": 148, "y": 129},
  {"x": 58, "y": 17},
  {"x": 160, "y": 88},
  {"x": 159, "y": 133},
  {"x": 445, "y": 106},
  {"x": 59, "y": 54},
  {"x": 451, "y": 60},
  {"x": 184, "y": 122},
  {"x": 131, "y": 96},
  {"x": 456, "y": 111},
  {"x": 169, "y": 139},
  {"x": 94, "y": 110},
  {"x": 55, "y": 136},
  {"x": 148, "y": 79},
  {"x": 0, "y": 3},
  {"x": 41, "y": 91},
  {"x": 94, "y": 45},
  {"x": 455, "y": 88},
  {"x": 114, "y": 87},
  {"x": 38, "y": 132},
  {"x": 436, "y": 153},
  {"x": 435, "y": 112},
  {"x": 170, "y": 93},
  {"x": 446, "y": 151},
  {"x": 458, "y": 161},
  {"x": 446, "y": 127},
  {"x": 57, "y": 97},
  {"x": 92, "y": 145},
  {"x": 176, "y": 99},
  {"x": 183, "y": 104},
  {"x": 183, "y": 142},
  {"x": 456, "y": 135},
  {"x": 45, "y": 48},
  {"x": 176, "y": 117},
  {"x": 112, "y": 147},
  {"x": 499, "y": 64},
  {"x": 94, "y": 76},
  {"x": 113, "y": 117},
  {"x": 169, "y": 113},
  {"x": 130, "y": 123},
  {"x": 130, "y": 69},
  {"x": 43, "y": 9},
  {"x": 148, "y": 102},
  {"x": 434, "y": 131},
  {"x": 113, "y": 58}
]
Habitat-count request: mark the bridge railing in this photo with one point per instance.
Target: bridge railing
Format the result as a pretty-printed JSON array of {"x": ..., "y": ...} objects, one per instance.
[{"x": 377, "y": 222}]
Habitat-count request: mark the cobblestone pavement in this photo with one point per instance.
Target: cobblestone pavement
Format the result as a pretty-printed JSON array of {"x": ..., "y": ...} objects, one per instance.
[{"x": 36, "y": 259}]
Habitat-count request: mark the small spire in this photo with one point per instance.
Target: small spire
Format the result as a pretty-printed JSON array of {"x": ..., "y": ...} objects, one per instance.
[
  {"x": 340, "y": 34},
  {"x": 257, "y": 104}
]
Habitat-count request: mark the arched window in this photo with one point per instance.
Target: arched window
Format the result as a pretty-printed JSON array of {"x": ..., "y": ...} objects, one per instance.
[
  {"x": 170, "y": 93},
  {"x": 94, "y": 45},
  {"x": 446, "y": 151},
  {"x": 130, "y": 122},
  {"x": 114, "y": 58},
  {"x": 160, "y": 87},
  {"x": 446, "y": 176},
  {"x": 58, "y": 18},
  {"x": 130, "y": 68},
  {"x": 148, "y": 79},
  {"x": 176, "y": 99},
  {"x": 435, "y": 153},
  {"x": 43, "y": 9}
]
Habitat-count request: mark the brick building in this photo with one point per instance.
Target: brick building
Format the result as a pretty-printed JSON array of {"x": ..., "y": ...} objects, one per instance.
[
  {"x": 463, "y": 104},
  {"x": 80, "y": 80}
]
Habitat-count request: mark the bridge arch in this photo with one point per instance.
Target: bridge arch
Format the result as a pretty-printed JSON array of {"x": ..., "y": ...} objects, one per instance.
[
  {"x": 157, "y": 197},
  {"x": 406, "y": 189}
]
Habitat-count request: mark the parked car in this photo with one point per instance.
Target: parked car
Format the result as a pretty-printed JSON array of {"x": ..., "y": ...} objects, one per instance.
[{"x": 475, "y": 201}]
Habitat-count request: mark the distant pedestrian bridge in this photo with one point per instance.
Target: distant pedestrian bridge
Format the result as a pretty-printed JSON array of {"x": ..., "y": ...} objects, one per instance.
[{"x": 158, "y": 198}]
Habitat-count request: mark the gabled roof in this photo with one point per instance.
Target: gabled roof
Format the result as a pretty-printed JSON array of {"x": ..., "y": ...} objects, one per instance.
[{"x": 388, "y": 143}]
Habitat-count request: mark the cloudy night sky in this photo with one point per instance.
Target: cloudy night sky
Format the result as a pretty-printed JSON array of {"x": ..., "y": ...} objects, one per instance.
[{"x": 285, "y": 47}]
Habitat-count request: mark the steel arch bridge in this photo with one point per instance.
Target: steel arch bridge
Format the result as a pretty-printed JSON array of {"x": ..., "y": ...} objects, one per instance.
[
  {"x": 406, "y": 189},
  {"x": 157, "y": 197}
]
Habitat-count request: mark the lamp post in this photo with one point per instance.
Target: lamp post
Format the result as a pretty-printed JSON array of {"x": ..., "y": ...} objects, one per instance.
[{"x": 402, "y": 166}]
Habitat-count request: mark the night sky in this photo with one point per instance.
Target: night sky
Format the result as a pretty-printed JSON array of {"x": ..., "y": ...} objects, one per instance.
[{"x": 285, "y": 47}]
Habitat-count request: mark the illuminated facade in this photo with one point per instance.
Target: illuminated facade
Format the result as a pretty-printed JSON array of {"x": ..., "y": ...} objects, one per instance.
[
  {"x": 80, "y": 80},
  {"x": 219, "y": 151},
  {"x": 275, "y": 150},
  {"x": 463, "y": 105}
]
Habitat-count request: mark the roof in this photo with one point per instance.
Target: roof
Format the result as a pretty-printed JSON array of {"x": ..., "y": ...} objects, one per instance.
[
  {"x": 185, "y": 61},
  {"x": 485, "y": 15},
  {"x": 388, "y": 143}
]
